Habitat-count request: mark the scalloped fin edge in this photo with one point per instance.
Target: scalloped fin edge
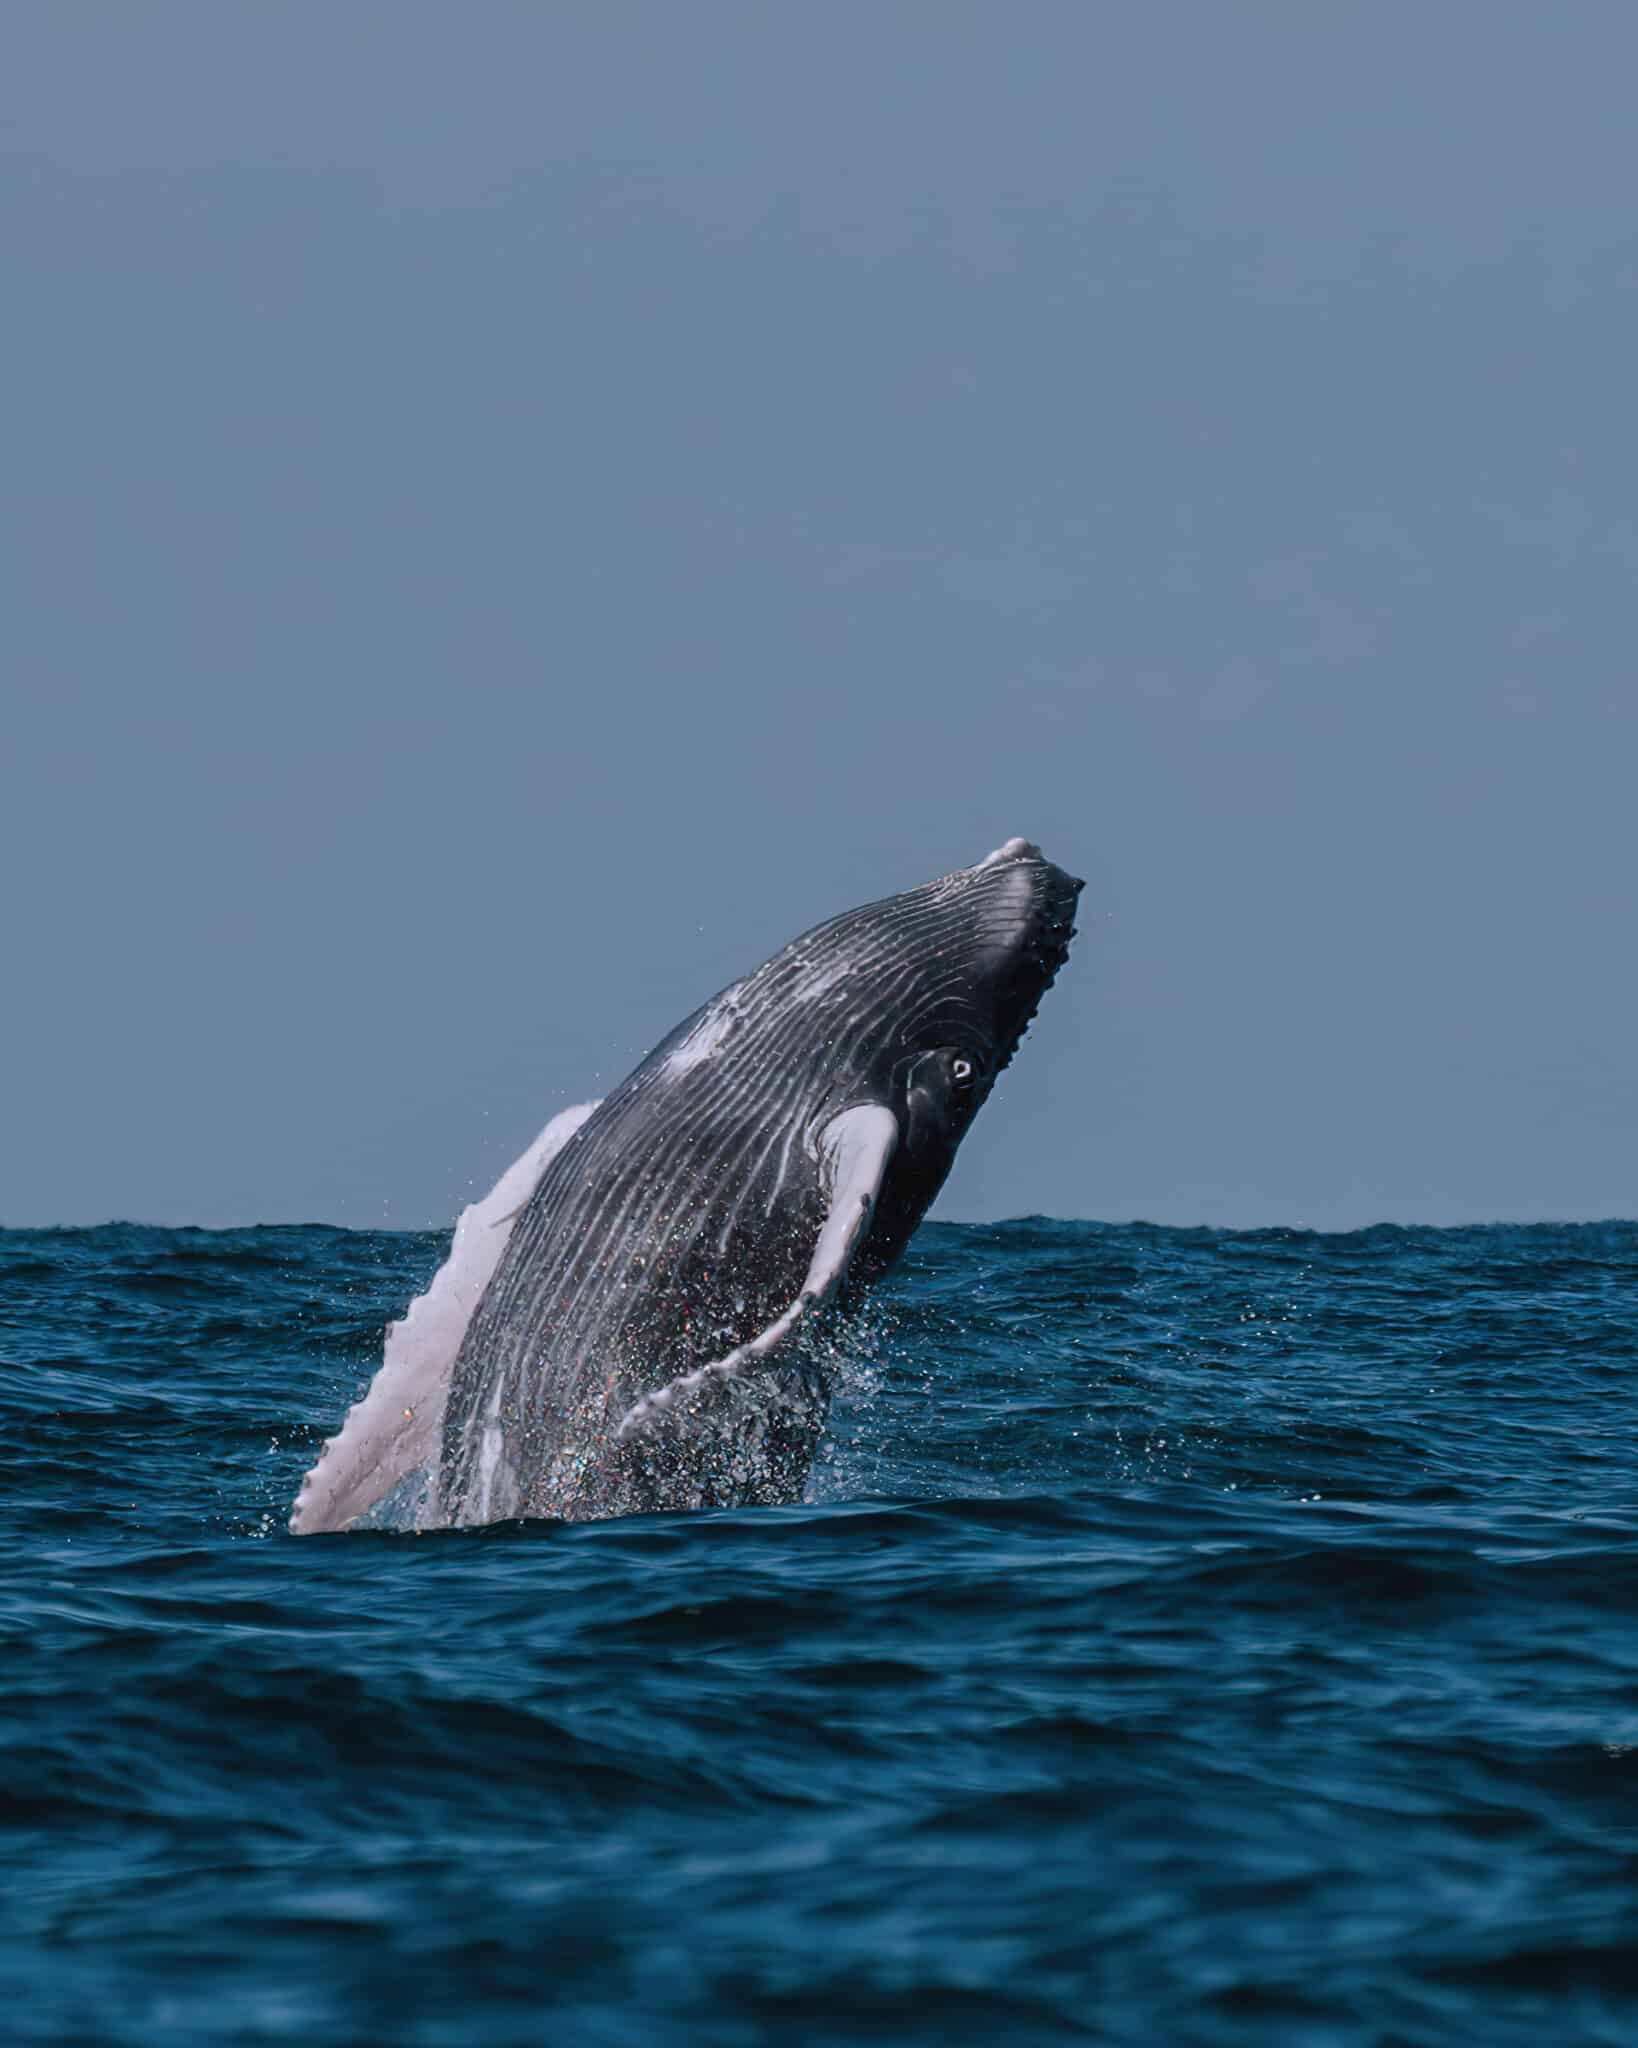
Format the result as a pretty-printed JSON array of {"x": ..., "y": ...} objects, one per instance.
[{"x": 397, "y": 1424}]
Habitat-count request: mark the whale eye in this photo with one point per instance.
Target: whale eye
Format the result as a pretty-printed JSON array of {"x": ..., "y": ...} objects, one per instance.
[{"x": 961, "y": 1070}]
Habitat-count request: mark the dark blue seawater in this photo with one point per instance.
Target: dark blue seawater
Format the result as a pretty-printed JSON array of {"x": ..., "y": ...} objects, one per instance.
[{"x": 1192, "y": 1636}]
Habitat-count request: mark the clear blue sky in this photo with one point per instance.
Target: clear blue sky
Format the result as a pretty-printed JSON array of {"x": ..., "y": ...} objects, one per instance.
[{"x": 512, "y": 511}]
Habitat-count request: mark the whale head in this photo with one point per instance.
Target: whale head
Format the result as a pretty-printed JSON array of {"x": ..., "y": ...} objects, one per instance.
[{"x": 941, "y": 984}]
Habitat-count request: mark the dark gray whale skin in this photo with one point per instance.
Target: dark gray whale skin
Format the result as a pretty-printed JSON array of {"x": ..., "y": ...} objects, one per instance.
[{"x": 679, "y": 1221}]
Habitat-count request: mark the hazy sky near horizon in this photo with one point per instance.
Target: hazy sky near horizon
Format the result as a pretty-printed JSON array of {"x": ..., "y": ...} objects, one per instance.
[{"x": 513, "y": 511}]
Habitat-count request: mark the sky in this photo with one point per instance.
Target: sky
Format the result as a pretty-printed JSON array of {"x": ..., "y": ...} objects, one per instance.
[{"x": 512, "y": 512}]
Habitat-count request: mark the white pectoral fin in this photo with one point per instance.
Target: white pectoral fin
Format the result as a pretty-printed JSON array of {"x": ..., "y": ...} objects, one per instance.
[
  {"x": 397, "y": 1425},
  {"x": 855, "y": 1149}
]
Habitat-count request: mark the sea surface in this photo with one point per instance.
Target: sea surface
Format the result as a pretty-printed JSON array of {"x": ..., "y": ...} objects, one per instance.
[{"x": 1191, "y": 1636}]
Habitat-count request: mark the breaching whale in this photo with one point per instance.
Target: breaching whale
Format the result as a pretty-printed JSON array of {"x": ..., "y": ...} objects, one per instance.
[{"x": 623, "y": 1322}]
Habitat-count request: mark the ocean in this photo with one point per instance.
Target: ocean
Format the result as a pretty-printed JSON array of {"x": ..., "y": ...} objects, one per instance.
[{"x": 1190, "y": 1636}]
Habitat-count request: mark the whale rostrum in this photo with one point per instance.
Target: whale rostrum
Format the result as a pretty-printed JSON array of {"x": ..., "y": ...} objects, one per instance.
[{"x": 623, "y": 1321}]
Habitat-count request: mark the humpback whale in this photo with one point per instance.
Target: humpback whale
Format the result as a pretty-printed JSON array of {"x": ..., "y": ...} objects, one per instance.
[{"x": 626, "y": 1320}]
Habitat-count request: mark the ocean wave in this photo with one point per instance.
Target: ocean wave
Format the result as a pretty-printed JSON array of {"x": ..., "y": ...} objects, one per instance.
[{"x": 1190, "y": 1635}]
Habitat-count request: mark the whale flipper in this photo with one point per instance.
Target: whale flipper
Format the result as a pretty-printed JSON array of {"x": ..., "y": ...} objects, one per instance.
[
  {"x": 397, "y": 1425},
  {"x": 854, "y": 1149}
]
